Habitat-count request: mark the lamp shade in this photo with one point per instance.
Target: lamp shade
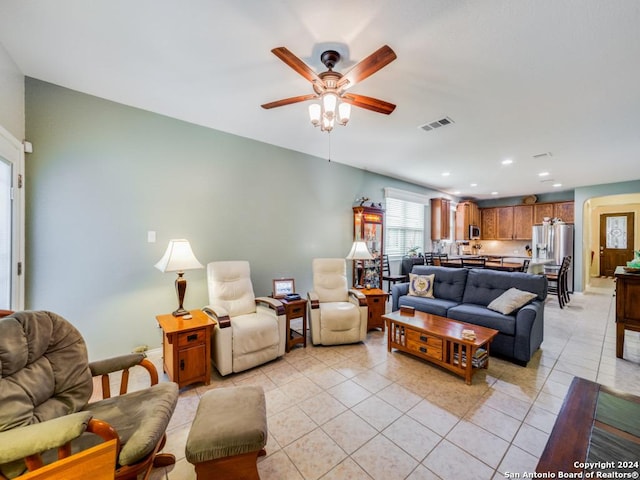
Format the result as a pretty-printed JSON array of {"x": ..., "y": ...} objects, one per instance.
[
  {"x": 178, "y": 257},
  {"x": 359, "y": 251}
]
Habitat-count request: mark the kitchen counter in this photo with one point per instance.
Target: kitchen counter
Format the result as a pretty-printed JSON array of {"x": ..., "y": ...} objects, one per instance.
[{"x": 503, "y": 262}]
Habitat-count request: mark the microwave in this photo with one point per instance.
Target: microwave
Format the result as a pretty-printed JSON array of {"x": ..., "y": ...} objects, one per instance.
[{"x": 474, "y": 232}]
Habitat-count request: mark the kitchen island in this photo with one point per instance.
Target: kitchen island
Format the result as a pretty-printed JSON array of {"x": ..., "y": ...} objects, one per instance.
[{"x": 509, "y": 263}]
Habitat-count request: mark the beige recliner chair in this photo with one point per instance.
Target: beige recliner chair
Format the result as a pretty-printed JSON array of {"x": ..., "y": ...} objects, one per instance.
[
  {"x": 338, "y": 314},
  {"x": 250, "y": 331}
]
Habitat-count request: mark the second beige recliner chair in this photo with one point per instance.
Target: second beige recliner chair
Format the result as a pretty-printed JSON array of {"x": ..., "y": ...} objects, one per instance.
[{"x": 338, "y": 314}]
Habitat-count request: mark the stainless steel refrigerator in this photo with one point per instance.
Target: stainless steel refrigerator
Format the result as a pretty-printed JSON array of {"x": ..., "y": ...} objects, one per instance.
[{"x": 554, "y": 241}]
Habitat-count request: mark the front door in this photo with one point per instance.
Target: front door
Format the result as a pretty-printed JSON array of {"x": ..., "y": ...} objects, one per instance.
[{"x": 616, "y": 241}]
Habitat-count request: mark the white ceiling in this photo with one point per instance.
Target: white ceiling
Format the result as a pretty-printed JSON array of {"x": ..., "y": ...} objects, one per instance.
[{"x": 518, "y": 78}]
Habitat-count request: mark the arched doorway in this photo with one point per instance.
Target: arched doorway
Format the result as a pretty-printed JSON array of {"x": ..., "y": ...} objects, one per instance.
[{"x": 594, "y": 209}]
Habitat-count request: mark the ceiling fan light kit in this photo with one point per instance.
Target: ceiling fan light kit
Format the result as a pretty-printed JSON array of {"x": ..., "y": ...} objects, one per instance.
[
  {"x": 330, "y": 87},
  {"x": 323, "y": 114}
]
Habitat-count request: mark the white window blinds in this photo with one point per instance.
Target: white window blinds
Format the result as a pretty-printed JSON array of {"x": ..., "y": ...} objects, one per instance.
[{"x": 404, "y": 227}]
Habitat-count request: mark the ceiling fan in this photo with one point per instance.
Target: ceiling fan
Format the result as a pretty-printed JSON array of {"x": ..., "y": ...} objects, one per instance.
[{"x": 331, "y": 87}]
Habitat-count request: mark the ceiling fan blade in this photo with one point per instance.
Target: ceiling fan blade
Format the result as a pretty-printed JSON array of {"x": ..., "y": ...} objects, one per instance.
[
  {"x": 298, "y": 65},
  {"x": 369, "y": 103},
  {"x": 289, "y": 101},
  {"x": 368, "y": 66}
]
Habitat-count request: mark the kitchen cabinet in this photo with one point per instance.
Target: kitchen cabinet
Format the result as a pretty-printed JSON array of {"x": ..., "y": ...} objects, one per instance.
[
  {"x": 522, "y": 222},
  {"x": 562, "y": 210},
  {"x": 440, "y": 219},
  {"x": 507, "y": 223},
  {"x": 489, "y": 224},
  {"x": 467, "y": 213},
  {"x": 565, "y": 211},
  {"x": 504, "y": 223},
  {"x": 542, "y": 210}
]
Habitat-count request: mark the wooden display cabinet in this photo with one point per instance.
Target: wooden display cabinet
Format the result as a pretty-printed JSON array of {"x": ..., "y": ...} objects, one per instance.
[{"x": 368, "y": 226}]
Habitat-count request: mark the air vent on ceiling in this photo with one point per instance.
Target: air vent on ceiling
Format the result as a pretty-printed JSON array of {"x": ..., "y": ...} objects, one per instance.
[
  {"x": 542, "y": 155},
  {"x": 443, "y": 122}
]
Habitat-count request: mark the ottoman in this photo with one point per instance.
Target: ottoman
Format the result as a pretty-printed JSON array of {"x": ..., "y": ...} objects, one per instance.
[{"x": 228, "y": 434}]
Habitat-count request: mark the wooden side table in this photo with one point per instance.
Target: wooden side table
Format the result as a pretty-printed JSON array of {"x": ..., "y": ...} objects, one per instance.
[
  {"x": 627, "y": 306},
  {"x": 376, "y": 304},
  {"x": 186, "y": 347},
  {"x": 295, "y": 309}
]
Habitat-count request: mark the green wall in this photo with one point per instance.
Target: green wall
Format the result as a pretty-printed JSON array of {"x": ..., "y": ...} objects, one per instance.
[{"x": 103, "y": 174}]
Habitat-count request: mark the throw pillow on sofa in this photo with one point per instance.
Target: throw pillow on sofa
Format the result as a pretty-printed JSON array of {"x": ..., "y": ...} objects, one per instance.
[
  {"x": 421, "y": 285},
  {"x": 510, "y": 301}
]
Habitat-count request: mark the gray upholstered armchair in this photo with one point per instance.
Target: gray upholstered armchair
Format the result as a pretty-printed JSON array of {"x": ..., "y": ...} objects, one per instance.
[
  {"x": 338, "y": 314},
  {"x": 46, "y": 383},
  {"x": 250, "y": 331}
]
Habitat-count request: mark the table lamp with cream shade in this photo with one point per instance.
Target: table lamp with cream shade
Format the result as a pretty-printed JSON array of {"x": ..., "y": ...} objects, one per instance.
[
  {"x": 359, "y": 251},
  {"x": 177, "y": 258}
]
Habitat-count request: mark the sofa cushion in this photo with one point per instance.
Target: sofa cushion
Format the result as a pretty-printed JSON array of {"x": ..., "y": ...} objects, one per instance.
[
  {"x": 448, "y": 283},
  {"x": 510, "y": 301},
  {"x": 480, "y": 315},
  {"x": 421, "y": 285},
  {"x": 435, "y": 306},
  {"x": 484, "y": 286}
]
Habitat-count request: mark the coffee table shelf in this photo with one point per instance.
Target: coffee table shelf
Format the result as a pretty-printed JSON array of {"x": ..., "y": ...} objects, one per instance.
[{"x": 439, "y": 341}]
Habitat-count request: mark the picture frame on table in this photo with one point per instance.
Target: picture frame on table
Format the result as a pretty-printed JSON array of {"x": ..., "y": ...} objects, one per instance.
[{"x": 283, "y": 287}]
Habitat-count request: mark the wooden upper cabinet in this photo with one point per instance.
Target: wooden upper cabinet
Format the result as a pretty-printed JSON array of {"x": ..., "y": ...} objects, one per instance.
[
  {"x": 507, "y": 223},
  {"x": 489, "y": 224},
  {"x": 562, "y": 210},
  {"x": 440, "y": 218},
  {"x": 504, "y": 219},
  {"x": 541, "y": 210},
  {"x": 522, "y": 222},
  {"x": 565, "y": 211},
  {"x": 467, "y": 213},
  {"x": 474, "y": 214}
]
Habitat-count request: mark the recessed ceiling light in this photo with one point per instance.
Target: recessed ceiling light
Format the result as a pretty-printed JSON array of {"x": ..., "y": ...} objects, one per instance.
[
  {"x": 507, "y": 161},
  {"x": 457, "y": 192},
  {"x": 543, "y": 174},
  {"x": 473, "y": 185},
  {"x": 446, "y": 174},
  {"x": 556, "y": 185},
  {"x": 494, "y": 193}
]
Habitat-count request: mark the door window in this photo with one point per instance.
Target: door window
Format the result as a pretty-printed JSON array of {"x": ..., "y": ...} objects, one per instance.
[{"x": 616, "y": 232}]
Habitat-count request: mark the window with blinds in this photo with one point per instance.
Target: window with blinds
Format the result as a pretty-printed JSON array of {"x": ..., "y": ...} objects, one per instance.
[{"x": 404, "y": 226}]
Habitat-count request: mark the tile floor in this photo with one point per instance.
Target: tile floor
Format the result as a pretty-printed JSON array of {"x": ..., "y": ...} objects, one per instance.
[{"x": 359, "y": 412}]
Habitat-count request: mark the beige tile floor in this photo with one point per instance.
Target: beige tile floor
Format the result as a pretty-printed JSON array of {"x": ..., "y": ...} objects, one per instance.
[{"x": 359, "y": 412}]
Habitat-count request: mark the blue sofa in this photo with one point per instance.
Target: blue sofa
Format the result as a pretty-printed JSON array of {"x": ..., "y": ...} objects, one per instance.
[{"x": 463, "y": 294}]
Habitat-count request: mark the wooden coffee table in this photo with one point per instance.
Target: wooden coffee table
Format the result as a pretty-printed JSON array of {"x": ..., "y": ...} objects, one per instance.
[{"x": 439, "y": 341}]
